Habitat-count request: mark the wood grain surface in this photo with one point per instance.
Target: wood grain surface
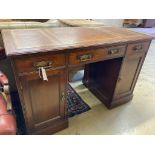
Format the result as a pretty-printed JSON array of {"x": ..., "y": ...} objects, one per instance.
[
  {"x": 112, "y": 62},
  {"x": 27, "y": 41}
]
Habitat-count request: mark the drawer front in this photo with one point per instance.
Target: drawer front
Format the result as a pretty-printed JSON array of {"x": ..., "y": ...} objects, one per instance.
[
  {"x": 137, "y": 49},
  {"x": 87, "y": 56},
  {"x": 32, "y": 63}
]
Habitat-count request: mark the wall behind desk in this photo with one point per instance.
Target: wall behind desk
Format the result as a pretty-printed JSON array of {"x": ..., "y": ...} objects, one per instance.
[{"x": 111, "y": 22}]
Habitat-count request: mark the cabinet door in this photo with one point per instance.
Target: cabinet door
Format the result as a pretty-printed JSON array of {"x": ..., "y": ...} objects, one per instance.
[
  {"x": 127, "y": 76},
  {"x": 130, "y": 69},
  {"x": 43, "y": 101}
]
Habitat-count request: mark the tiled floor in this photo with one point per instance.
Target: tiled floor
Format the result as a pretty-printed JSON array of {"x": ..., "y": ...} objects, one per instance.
[{"x": 135, "y": 117}]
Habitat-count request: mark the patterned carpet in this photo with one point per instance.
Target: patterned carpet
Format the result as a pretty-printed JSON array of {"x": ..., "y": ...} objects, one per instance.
[{"x": 75, "y": 104}]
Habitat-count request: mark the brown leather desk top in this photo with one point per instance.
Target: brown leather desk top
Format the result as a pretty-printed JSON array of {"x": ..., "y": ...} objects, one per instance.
[{"x": 27, "y": 41}]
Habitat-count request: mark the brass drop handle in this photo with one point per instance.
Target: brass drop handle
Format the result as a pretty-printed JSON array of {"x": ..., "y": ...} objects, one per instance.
[
  {"x": 138, "y": 47},
  {"x": 45, "y": 64},
  {"x": 85, "y": 57},
  {"x": 113, "y": 51}
]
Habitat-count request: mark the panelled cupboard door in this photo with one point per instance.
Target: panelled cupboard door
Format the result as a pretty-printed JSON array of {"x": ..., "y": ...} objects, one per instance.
[
  {"x": 43, "y": 101},
  {"x": 130, "y": 69},
  {"x": 127, "y": 76}
]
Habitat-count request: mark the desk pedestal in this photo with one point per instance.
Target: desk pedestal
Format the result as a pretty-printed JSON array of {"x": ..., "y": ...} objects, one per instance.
[{"x": 113, "y": 81}]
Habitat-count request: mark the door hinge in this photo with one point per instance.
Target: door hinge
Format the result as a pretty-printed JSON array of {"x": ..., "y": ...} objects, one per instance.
[
  {"x": 63, "y": 97},
  {"x": 21, "y": 87}
]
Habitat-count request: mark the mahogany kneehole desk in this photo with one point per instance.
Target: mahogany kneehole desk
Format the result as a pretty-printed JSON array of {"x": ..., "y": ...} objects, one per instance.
[{"x": 112, "y": 57}]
